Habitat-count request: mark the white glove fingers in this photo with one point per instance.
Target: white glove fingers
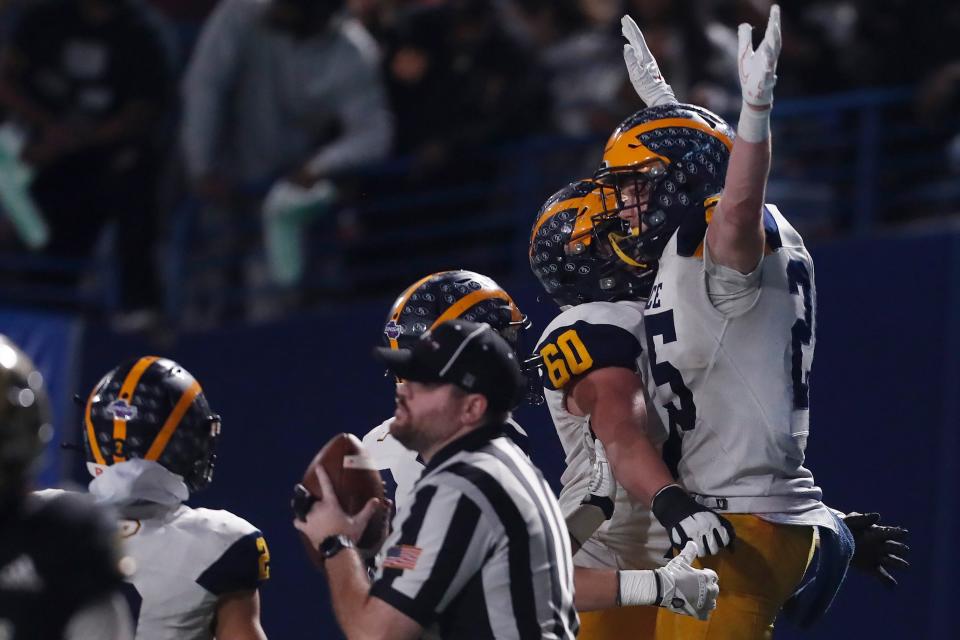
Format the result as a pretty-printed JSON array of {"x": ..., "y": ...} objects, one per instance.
[
  {"x": 772, "y": 34},
  {"x": 629, "y": 56},
  {"x": 689, "y": 552},
  {"x": 722, "y": 535},
  {"x": 634, "y": 36},
  {"x": 744, "y": 41}
]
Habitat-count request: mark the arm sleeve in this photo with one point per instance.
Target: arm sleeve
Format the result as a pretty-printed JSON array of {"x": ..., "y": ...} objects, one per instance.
[
  {"x": 208, "y": 80},
  {"x": 441, "y": 545},
  {"x": 580, "y": 347},
  {"x": 242, "y": 567},
  {"x": 365, "y": 118},
  {"x": 730, "y": 291}
]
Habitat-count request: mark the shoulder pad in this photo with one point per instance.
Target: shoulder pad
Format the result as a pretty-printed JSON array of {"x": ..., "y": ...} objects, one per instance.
[
  {"x": 245, "y": 560},
  {"x": 377, "y": 433},
  {"x": 779, "y": 231},
  {"x": 588, "y": 337},
  {"x": 215, "y": 521}
]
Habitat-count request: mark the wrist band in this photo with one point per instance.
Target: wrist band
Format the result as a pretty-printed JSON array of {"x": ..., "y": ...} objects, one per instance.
[
  {"x": 636, "y": 587},
  {"x": 754, "y": 125}
]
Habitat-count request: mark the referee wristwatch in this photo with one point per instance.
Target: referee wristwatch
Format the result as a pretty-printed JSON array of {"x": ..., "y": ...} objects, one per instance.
[{"x": 333, "y": 545}]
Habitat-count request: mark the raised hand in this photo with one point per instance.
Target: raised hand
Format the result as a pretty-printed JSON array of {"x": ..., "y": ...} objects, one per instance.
[{"x": 642, "y": 67}]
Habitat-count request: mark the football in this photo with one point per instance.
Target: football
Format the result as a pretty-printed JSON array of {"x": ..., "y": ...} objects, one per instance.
[{"x": 355, "y": 480}]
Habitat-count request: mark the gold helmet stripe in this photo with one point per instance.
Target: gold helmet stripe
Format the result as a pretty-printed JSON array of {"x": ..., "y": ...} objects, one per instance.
[
  {"x": 549, "y": 213},
  {"x": 402, "y": 302},
  {"x": 126, "y": 394},
  {"x": 678, "y": 122},
  {"x": 469, "y": 300},
  {"x": 173, "y": 421},
  {"x": 710, "y": 205}
]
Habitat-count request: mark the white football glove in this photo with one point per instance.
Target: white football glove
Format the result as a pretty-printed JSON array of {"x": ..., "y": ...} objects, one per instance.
[
  {"x": 687, "y": 590},
  {"x": 678, "y": 586},
  {"x": 642, "y": 66},
  {"x": 758, "y": 68},
  {"x": 685, "y": 519}
]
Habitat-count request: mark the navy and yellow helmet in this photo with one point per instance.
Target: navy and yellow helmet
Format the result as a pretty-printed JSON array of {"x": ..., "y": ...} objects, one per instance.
[
  {"x": 24, "y": 419},
  {"x": 152, "y": 408},
  {"x": 580, "y": 248},
  {"x": 447, "y": 295},
  {"x": 678, "y": 153}
]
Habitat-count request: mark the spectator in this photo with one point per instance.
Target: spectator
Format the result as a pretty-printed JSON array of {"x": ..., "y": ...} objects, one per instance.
[
  {"x": 585, "y": 67},
  {"x": 459, "y": 81},
  {"x": 89, "y": 79},
  {"x": 691, "y": 51},
  {"x": 281, "y": 95},
  {"x": 265, "y": 88}
]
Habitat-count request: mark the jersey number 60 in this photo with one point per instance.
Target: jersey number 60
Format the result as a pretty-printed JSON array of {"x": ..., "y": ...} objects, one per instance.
[{"x": 565, "y": 358}]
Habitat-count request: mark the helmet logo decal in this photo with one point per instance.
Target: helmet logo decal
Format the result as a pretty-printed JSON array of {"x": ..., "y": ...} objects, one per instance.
[
  {"x": 392, "y": 330},
  {"x": 121, "y": 410}
]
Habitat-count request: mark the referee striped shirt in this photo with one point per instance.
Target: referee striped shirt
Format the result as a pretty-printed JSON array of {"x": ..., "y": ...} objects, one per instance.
[{"x": 482, "y": 550}]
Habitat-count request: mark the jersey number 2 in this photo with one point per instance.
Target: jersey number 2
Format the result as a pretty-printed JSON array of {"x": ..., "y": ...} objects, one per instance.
[{"x": 802, "y": 332}]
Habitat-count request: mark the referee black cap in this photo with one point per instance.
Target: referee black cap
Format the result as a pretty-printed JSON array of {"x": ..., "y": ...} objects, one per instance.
[{"x": 470, "y": 355}]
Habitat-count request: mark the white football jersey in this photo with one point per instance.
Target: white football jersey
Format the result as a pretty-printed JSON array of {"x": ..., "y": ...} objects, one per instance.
[
  {"x": 583, "y": 338},
  {"x": 400, "y": 467},
  {"x": 732, "y": 388},
  {"x": 184, "y": 560}
]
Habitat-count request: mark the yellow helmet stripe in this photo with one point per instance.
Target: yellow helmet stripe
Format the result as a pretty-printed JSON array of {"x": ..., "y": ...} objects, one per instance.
[
  {"x": 402, "y": 302},
  {"x": 173, "y": 421},
  {"x": 710, "y": 205},
  {"x": 126, "y": 394},
  {"x": 547, "y": 215},
  {"x": 681, "y": 122},
  {"x": 91, "y": 434},
  {"x": 464, "y": 303}
]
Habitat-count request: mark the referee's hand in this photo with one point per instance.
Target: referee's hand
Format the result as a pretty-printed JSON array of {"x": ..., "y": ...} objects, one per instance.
[{"x": 327, "y": 518}]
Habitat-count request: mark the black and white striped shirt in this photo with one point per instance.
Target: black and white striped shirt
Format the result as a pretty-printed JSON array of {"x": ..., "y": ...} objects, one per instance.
[{"x": 482, "y": 549}]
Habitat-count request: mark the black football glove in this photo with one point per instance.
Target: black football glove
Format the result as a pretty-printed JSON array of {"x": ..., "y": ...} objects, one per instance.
[
  {"x": 685, "y": 519},
  {"x": 878, "y": 549}
]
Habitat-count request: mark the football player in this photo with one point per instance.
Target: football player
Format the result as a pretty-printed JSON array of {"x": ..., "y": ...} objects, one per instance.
[
  {"x": 729, "y": 336},
  {"x": 464, "y": 294},
  {"x": 592, "y": 356},
  {"x": 60, "y": 574},
  {"x": 149, "y": 437}
]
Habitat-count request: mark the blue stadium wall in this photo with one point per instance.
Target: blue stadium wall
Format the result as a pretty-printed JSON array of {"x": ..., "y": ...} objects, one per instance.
[{"x": 885, "y": 387}]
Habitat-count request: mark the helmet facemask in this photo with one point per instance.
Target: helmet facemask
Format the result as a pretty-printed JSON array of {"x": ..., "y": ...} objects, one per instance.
[{"x": 582, "y": 247}]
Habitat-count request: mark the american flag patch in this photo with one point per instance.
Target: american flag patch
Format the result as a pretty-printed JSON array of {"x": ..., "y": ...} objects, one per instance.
[{"x": 402, "y": 557}]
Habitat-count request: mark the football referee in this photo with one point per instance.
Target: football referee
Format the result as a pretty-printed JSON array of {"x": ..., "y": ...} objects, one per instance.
[{"x": 482, "y": 550}]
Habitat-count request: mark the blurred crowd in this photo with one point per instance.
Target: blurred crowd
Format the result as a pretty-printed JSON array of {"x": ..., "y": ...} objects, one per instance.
[{"x": 263, "y": 114}]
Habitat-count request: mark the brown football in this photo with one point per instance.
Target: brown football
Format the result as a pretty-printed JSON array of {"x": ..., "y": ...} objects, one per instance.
[{"x": 355, "y": 480}]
